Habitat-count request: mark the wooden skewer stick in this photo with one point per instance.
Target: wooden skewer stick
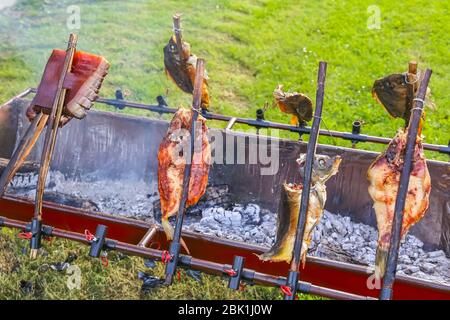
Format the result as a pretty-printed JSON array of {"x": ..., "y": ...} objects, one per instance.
[
  {"x": 178, "y": 33},
  {"x": 23, "y": 150},
  {"x": 174, "y": 249},
  {"x": 52, "y": 131},
  {"x": 411, "y": 88}
]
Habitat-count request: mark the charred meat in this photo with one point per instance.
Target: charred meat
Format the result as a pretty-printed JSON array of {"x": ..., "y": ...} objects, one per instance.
[
  {"x": 384, "y": 177},
  {"x": 288, "y": 213},
  {"x": 296, "y": 104},
  {"x": 172, "y": 157}
]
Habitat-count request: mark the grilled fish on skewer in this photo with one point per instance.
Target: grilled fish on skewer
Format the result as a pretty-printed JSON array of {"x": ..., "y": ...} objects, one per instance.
[
  {"x": 172, "y": 163},
  {"x": 180, "y": 68},
  {"x": 392, "y": 93},
  {"x": 83, "y": 83},
  {"x": 324, "y": 168},
  {"x": 296, "y": 104},
  {"x": 384, "y": 177}
]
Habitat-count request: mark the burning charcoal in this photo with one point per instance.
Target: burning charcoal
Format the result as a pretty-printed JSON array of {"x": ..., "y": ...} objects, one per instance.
[
  {"x": 26, "y": 287},
  {"x": 194, "y": 274},
  {"x": 233, "y": 218},
  {"x": 251, "y": 214},
  {"x": 149, "y": 263},
  {"x": 149, "y": 282},
  {"x": 436, "y": 254}
]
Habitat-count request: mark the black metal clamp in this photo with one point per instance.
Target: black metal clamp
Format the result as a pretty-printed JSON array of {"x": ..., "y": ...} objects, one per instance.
[
  {"x": 37, "y": 232},
  {"x": 356, "y": 130},
  {"x": 119, "y": 97},
  {"x": 235, "y": 273},
  {"x": 99, "y": 242}
]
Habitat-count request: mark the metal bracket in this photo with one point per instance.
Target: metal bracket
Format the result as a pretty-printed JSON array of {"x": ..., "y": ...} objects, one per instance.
[
  {"x": 235, "y": 279},
  {"x": 99, "y": 241},
  {"x": 119, "y": 97},
  {"x": 356, "y": 130}
]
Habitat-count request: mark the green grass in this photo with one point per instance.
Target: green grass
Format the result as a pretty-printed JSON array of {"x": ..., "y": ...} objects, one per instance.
[
  {"x": 249, "y": 48},
  {"x": 117, "y": 281}
]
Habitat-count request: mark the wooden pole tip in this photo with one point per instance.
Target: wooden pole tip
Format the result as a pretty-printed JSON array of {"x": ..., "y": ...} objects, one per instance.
[{"x": 412, "y": 67}]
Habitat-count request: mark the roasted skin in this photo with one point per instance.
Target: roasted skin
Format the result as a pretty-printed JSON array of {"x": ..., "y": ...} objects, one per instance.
[
  {"x": 384, "y": 177},
  {"x": 296, "y": 104},
  {"x": 172, "y": 154},
  {"x": 83, "y": 83},
  {"x": 323, "y": 169},
  {"x": 392, "y": 93},
  {"x": 180, "y": 68}
]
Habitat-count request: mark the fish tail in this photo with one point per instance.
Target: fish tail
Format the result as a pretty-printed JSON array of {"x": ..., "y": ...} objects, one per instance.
[
  {"x": 294, "y": 121},
  {"x": 168, "y": 230},
  {"x": 183, "y": 244},
  {"x": 380, "y": 262}
]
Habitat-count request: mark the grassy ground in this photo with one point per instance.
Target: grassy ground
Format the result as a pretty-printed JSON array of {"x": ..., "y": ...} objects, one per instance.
[{"x": 250, "y": 47}]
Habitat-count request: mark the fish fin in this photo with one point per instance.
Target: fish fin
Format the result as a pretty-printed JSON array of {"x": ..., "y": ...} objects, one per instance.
[
  {"x": 294, "y": 121},
  {"x": 380, "y": 262},
  {"x": 168, "y": 230},
  {"x": 183, "y": 244}
]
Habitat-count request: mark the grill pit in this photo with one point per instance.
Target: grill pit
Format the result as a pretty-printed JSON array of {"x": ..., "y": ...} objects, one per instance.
[{"x": 336, "y": 237}]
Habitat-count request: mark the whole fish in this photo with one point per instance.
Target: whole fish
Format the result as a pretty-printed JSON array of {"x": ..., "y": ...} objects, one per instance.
[
  {"x": 324, "y": 168},
  {"x": 296, "y": 104},
  {"x": 172, "y": 163},
  {"x": 384, "y": 177},
  {"x": 180, "y": 67}
]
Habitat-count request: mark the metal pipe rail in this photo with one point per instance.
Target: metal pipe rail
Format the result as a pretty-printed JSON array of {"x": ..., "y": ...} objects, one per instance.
[
  {"x": 353, "y": 137},
  {"x": 189, "y": 262}
]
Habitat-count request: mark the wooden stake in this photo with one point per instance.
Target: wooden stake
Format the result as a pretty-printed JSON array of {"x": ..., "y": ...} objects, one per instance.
[
  {"x": 23, "y": 150},
  {"x": 178, "y": 34},
  {"x": 52, "y": 131}
]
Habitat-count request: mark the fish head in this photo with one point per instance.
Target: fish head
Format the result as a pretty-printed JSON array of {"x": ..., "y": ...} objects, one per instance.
[
  {"x": 172, "y": 51},
  {"x": 278, "y": 93},
  {"x": 324, "y": 167},
  {"x": 391, "y": 92}
]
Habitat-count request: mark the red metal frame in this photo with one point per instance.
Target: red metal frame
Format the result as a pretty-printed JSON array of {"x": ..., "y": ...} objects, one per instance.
[{"x": 321, "y": 272}]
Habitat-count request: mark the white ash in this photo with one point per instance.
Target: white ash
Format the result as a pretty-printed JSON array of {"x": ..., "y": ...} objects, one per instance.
[{"x": 336, "y": 237}]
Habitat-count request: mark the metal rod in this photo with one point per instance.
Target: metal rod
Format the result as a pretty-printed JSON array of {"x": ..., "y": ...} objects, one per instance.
[
  {"x": 148, "y": 236},
  {"x": 196, "y": 104},
  {"x": 310, "y": 153},
  {"x": 445, "y": 149},
  {"x": 212, "y": 268},
  {"x": 52, "y": 131},
  {"x": 23, "y": 150},
  {"x": 20, "y": 95},
  {"x": 416, "y": 113}
]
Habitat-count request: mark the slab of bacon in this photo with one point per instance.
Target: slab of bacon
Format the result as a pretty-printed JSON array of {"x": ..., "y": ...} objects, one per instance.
[
  {"x": 172, "y": 156},
  {"x": 83, "y": 83}
]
